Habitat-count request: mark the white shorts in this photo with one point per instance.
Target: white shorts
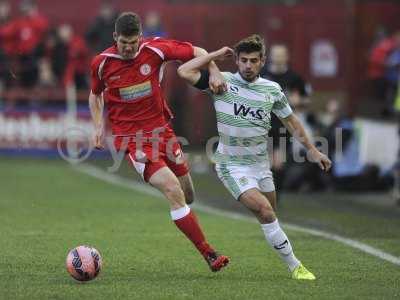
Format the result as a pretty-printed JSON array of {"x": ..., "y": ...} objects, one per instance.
[{"x": 238, "y": 179}]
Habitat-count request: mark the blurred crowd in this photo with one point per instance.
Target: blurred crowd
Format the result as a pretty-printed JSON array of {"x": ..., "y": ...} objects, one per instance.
[
  {"x": 34, "y": 54},
  {"x": 384, "y": 70},
  {"x": 384, "y": 75},
  {"x": 348, "y": 173}
]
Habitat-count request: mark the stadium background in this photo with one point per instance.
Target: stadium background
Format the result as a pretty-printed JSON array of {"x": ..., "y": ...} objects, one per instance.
[{"x": 37, "y": 184}]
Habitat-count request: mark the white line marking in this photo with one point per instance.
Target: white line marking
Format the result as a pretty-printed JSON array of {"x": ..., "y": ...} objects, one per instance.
[{"x": 146, "y": 189}]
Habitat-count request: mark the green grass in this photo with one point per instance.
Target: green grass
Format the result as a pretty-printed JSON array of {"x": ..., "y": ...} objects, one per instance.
[{"x": 47, "y": 208}]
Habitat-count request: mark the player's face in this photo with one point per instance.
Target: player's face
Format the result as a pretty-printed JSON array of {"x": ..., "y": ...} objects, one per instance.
[
  {"x": 249, "y": 65},
  {"x": 127, "y": 45}
]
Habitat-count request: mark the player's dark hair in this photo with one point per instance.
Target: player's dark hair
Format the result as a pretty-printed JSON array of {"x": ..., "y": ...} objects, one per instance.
[
  {"x": 128, "y": 24},
  {"x": 252, "y": 43}
]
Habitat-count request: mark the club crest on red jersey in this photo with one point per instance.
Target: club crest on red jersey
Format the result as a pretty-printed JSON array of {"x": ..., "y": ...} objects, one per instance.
[{"x": 145, "y": 69}]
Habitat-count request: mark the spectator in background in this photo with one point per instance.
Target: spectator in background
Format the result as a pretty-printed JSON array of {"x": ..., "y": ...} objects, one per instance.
[
  {"x": 27, "y": 33},
  {"x": 377, "y": 65},
  {"x": 152, "y": 25},
  {"x": 5, "y": 12},
  {"x": 278, "y": 70},
  {"x": 5, "y": 46},
  {"x": 100, "y": 32},
  {"x": 69, "y": 57},
  {"x": 392, "y": 73}
]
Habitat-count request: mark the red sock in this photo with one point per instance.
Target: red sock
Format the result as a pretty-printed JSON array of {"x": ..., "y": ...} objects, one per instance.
[{"x": 191, "y": 228}]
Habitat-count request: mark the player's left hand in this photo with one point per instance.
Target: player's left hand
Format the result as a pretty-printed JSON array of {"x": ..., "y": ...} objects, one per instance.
[
  {"x": 321, "y": 159},
  {"x": 217, "y": 83}
]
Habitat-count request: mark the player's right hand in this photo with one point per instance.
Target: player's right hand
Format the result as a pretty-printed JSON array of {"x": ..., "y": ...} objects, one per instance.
[
  {"x": 223, "y": 53},
  {"x": 217, "y": 81},
  {"x": 98, "y": 138}
]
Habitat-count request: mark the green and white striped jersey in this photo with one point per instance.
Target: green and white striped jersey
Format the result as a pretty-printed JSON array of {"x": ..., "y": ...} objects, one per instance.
[{"x": 244, "y": 119}]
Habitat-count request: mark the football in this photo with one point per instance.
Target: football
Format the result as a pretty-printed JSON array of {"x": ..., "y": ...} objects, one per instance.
[{"x": 84, "y": 263}]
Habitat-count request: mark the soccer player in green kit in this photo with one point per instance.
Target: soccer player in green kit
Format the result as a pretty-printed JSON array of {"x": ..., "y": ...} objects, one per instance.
[{"x": 243, "y": 117}]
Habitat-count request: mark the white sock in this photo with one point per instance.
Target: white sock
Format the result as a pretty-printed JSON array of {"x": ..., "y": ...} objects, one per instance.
[
  {"x": 280, "y": 242},
  {"x": 180, "y": 212}
]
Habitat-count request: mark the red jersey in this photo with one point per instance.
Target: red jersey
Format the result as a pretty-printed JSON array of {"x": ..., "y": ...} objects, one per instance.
[
  {"x": 376, "y": 68},
  {"x": 24, "y": 34},
  {"x": 131, "y": 87}
]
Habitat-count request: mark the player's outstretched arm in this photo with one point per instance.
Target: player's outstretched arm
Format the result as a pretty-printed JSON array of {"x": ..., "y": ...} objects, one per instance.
[
  {"x": 216, "y": 82},
  {"x": 296, "y": 128},
  {"x": 190, "y": 71},
  {"x": 96, "y": 105}
]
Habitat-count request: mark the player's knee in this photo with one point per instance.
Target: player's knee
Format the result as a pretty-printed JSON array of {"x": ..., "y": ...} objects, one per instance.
[
  {"x": 266, "y": 213},
  {"x": 173, "y": 191}
]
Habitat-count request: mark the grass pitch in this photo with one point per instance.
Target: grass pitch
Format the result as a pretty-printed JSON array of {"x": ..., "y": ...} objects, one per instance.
[{"x": 47, "y": 208}]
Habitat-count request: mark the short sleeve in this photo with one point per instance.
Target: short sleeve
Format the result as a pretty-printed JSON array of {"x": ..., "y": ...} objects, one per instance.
[
  {"x": 173, "y": 50},
  {"x": 96, "y": 84},
  {"x": 281, "y": 107}
]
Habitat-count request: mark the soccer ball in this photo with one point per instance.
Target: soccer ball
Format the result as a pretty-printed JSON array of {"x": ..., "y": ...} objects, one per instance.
[{"x": 83, "y": 263}]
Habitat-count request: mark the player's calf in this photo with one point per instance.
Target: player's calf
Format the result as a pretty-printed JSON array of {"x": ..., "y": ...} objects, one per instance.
[
  {"x": 273, "y": 233},
  {"x": 183, "y": 217},
  {"x": 187, "y": 187},
  {"x": 189, "y": 196}
]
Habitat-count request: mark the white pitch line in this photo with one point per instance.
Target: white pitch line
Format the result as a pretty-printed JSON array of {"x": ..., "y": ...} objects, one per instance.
[{"x": 140, "y": 187}]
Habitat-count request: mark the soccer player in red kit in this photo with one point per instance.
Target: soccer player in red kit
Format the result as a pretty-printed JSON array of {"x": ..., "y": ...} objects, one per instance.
[{"x": 127, "y": 78}]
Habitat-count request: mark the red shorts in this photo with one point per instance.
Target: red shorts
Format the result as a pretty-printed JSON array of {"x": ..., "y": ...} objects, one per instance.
[{"x": 150, "y": 152}]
